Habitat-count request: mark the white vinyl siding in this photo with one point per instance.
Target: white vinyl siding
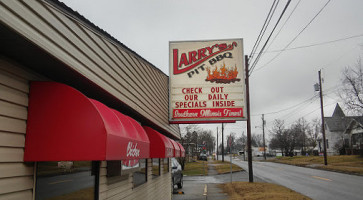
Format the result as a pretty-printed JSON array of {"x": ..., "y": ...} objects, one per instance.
[
  {"x": 97, "y": 57},
  {"x": 16, "y": 177},
  {"x": 154, "y": 189}
]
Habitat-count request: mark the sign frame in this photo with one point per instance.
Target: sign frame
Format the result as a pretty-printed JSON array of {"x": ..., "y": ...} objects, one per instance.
[{"x": 203, "y": 64}]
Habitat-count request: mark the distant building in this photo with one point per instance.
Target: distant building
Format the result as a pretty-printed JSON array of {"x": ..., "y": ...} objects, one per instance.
[
  {"x": 353, "y": 135},
  {"x": 340, "y": 129}
]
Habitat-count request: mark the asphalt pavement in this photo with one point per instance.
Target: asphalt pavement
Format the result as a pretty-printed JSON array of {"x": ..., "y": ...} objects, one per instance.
[{"x": 314, "y": 183}]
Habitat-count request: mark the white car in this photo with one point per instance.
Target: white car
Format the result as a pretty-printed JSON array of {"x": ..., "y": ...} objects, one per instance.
[{"x": 177, "y": 173}]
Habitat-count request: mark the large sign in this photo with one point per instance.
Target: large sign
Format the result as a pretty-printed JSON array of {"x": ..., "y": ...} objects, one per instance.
[{"x": 207, "y": 81}]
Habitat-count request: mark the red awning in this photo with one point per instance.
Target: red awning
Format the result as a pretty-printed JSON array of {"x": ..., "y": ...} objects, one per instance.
[
  {"x": 182, "y": 151},
  {"x": 63, "y": 124},
  {"x": 176, "y": 148},
  {"x": 160, "y": 145}
]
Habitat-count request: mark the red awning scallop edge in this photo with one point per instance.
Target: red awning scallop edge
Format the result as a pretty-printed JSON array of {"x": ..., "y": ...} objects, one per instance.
[
  {"x": 63, "y": 124},
  {"x": 160, "y": 145},
  {"x": 176, "y": 148},
  {"x": 182, "y": 151}
]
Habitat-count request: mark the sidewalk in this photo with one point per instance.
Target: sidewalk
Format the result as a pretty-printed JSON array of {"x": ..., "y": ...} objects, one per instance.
[{"x": 194, "y": 186}]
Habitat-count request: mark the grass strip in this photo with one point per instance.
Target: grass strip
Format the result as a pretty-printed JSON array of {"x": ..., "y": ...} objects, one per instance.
[
  {"x": 254, "y": 191},
  {"x": 225, "y": 167},
  {"x": 196, "y": 168},
  {"x": 351, "y": 164}
]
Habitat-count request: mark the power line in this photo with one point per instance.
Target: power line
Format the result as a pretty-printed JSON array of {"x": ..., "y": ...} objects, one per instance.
[
  {"x": 296, "y": 36},
  {"x": 340, "y": 57},
  {"x": 264, "y": 27},
  {"x": 263, "y": 48},
  {"x": 283, "y": 25},
  {"x": 288, "y": 108},
  {"x": 297, "y": 106},
  {"x": 312, "y": 112},
  {"x": 316, "y": 44},
  {"x": 292, "y": 113}
]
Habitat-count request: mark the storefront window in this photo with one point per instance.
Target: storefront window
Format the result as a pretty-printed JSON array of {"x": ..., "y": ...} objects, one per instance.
[
  {"x": 113, "y": 168},
  {"x": 67, "y": 180},
  {"x": 165, "y": 165},
  {"x": 115, "y": 173},
  {"x": 140, "y": 176},
  {"x": 155, "y": 167}
]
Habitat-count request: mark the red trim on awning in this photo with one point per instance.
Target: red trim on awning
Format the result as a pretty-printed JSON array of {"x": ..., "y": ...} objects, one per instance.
[
  {"x": 63, "y": 124},
  {"x": 176, "y": 148},
  {"x": 202, "y": 122},
  {"x": 182, "y": 150},
  {"x": 160, "y": 145}
]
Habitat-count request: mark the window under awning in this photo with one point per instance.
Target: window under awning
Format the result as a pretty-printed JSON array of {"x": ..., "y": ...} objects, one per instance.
[
  {"x": 160, "y": 145},
  {"x": 63, "y": 124}
]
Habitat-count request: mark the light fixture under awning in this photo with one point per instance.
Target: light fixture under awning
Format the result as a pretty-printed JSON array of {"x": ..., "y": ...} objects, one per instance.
[
  {"x": 63, "y": 124},
  {"x": 160, "y": 145}
]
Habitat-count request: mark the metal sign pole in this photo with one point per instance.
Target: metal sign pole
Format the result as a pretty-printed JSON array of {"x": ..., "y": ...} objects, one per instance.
[
  {"x": 249, "y": 149},
  {"x": 230, "y": 159},
  {"x": 217, "y": 143},
  {"x": 222, "y": 142},
  {"x": 263, "y": 135}
]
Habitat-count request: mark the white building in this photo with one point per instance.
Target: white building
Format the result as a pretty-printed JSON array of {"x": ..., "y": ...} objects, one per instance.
[{"x": 335, "y": 127}]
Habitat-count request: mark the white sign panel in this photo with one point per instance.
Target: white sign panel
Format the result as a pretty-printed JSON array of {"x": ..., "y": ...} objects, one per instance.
[{"x": 207, "y": 81}]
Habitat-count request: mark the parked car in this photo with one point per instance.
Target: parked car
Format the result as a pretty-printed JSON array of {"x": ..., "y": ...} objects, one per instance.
[
  {"x": 177, "y": 173},
  {"x": 203, "y": 156}
]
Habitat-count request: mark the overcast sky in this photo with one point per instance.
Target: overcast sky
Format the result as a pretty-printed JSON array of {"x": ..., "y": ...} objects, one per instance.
[{"x": 147, "y": 26}]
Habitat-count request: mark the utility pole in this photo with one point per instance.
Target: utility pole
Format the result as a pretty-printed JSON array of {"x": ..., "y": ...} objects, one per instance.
[
  {"x": 222, "y": 143},
  {"x": 217, "y": 143},
  {"x": 263, "y": 136},
  {"x": 249, "y": 149},
  {"x": 322, "y": 118}
]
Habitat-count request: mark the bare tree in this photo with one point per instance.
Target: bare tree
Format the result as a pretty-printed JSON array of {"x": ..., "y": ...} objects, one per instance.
[
  {"x": 278, "y": 132},
  {"x": 241, "y": 142},
  {"x": 299, "y": 131},
  {"x": 315, "y": 132},
  {"x": 352, "y": 88},
  {"x": 206, "y": 139},
  {"x": 287, "y": 140},
  {"x": 257, "y": 140},
  {"x": 198, "y": 138}
]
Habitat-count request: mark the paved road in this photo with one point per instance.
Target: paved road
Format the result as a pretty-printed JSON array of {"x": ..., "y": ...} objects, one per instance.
[{"x": 316, "y": 184}]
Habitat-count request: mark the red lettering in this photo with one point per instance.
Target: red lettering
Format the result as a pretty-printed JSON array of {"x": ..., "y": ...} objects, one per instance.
[
  {"x": 192, "y": 90},
  {"x": 197, "y": 57},
  {"x": 217, "y": 89},
  {"x": 183, "y": 60},
  {"x": 201, "y": 53},
  {"x": 223, "y": 103},
  {"x": 191, "y": 97},
  {"x": 210, "y": 50},
  {"x": 192, "y": 55},
  {"x": 222, "y": 46}
]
